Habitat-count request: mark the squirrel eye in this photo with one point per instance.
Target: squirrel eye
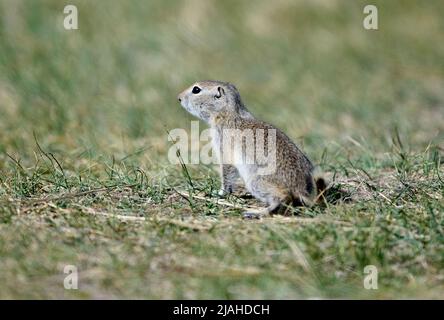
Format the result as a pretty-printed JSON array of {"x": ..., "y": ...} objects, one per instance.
[{"x": 196, "y": 90}]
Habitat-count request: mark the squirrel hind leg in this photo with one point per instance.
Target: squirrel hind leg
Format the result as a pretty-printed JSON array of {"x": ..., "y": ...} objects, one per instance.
[
  {"x": 278, "y": 199},
  {"x": 262, "y": 213},
  {"x": 259, "y": 214},
  {"x": 276, "y": 206}
]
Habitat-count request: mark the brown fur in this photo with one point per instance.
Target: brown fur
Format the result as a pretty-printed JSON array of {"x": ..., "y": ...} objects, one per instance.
[{"x": 292, "y": 183}]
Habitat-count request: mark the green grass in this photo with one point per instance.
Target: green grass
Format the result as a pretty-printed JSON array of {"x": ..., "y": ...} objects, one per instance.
[{"x": 83, "y": 143}]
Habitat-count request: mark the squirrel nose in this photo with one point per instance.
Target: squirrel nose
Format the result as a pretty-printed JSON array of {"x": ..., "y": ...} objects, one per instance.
[{"x": 179, "y": 98}]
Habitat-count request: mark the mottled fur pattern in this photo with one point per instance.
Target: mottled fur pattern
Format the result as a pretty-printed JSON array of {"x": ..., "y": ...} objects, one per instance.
[{"x": 291, "y": 184}]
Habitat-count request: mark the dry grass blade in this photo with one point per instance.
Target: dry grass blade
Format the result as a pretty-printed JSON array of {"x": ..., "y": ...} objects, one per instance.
[{"x": 127, "y": 218}]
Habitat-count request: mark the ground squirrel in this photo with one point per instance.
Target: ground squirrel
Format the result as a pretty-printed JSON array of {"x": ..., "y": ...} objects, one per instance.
[{"x": 293, "y": 180}]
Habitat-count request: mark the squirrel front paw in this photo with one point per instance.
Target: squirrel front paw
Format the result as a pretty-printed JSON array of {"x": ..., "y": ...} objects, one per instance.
[
  {"x": 219, "y": 193},
  {"x": 225, "y": 190}
]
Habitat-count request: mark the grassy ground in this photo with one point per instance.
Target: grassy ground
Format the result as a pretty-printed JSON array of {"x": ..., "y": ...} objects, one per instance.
[{"x": 83, "y": 145}]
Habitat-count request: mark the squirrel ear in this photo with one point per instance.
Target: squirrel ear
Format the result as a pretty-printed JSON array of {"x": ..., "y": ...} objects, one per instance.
[{"x": 220, "y": 92}]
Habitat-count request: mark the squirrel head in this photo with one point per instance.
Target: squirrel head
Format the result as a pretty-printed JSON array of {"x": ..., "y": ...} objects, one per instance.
[{"x": 208, "y": 99}]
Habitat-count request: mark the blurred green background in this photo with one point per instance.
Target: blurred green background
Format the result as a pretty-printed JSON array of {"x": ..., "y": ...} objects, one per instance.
[
  {"x": 309, "y": 67},
  {"x": 105, "y": 94}
]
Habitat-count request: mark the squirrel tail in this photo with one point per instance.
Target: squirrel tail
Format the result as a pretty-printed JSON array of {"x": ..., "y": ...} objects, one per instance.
[{"x": 321, "y": 184}]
